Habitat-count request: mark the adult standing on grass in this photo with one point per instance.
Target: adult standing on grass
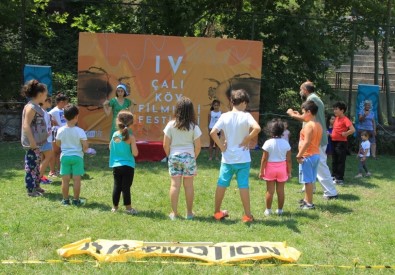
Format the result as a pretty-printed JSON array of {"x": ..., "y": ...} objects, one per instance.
[
  {"x": 323, "y": 173},
  {"x": 367, "y": 123},
  {"x": 239, "y": 128},
  {"x": 182, "y": 145},
  {"x": 116, "y": 104},
  {"x": 34, "y": 134},
  {"x": 123, "y": 149}
]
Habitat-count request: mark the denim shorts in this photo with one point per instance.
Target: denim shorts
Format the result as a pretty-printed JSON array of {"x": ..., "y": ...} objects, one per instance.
[
  {"x": 242, "y": 171},
  {"x": 72, "y": 165},
  {"x": 308, "y": 169},
  {"x": 182, "y": 165},
  {"x": 47, "y": 146}
]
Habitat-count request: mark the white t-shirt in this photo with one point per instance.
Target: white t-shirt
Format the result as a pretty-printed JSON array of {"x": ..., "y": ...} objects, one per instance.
[
  {"x": 58, "y": 115},
  {"x": 277, "y": 149},
  {"x": 236, "y": 126},
  {"x": 214, "y": 118},
  {"x": 182, "y": 141},
  {"x": 70, "y": 138},
  {"x": 47, "y": 119},
  {"x": 365, "y": 145}
]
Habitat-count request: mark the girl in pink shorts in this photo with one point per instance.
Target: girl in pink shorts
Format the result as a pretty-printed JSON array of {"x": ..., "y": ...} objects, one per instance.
[{"x": 276, "y": 165}]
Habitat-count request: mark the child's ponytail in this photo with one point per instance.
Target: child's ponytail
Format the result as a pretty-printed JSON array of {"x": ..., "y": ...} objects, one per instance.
[{"x": 124, "y": 120}]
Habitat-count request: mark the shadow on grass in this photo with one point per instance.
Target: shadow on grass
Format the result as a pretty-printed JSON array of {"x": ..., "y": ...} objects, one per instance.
[
  {"x": 362, "y": 183},
  {"x": 334, "y": 208},
  {"x": 283, "y": 221},
  {"x": 152, "y": 214},
  {"x": 349, "y": 197}
]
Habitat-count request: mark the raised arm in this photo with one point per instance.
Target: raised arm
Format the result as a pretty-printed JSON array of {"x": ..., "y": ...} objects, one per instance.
[{"x": 107, "y": 108}]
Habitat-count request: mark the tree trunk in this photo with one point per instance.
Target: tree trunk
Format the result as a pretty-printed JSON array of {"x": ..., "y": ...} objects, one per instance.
[
  {"x": 23, "y": 39},
  {"x": 376, "y": 39},
  {"x": 352, "y": 50},
  {"x": 385, "y": 63}
]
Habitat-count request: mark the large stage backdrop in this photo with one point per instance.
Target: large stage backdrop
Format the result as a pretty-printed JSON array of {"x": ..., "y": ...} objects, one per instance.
[{"x": 159, "y": 70}]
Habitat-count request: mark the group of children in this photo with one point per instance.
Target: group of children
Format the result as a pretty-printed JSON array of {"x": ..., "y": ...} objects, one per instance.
[{"x": 182, "y": 146}]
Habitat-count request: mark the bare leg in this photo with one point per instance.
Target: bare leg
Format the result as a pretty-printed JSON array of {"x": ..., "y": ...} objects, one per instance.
[
  {"x": 280, "y": 194},
  {"x": 245, "y": 199},
  {"x": 174, "y": 193},
  {"x": 189, "y": 194},
  {"x": 46, "y": 160},
  {"x": 269, "y": 193},
  {"x": 77, "y": 187},
  {"x": 308, "y": 197},
  {"x": 219, "y": 196},
  {"x": 65, "y": 186}
]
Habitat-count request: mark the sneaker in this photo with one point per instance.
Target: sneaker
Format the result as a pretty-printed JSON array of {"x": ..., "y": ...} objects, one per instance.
[
  {"x": 45, "y": 180},
  {"x": 172, "y": 216},
  {"x": 246, "y": 219},
  {"x": 34, "y": 194},
  {"x": 267, "y": 212},
  {"x": 113, "y": 210},
  {"x": 358, "y": 176},
  {"x": 65, "y": 202},
  {"x": 302, "y": 202},
  {"x": 335, "y": 197},
  {"x": 307, "y": 207},
  {"x": 220, "y": 215},
  {"x": 340, "y": 182},
  {"x": 368, "y": 174},
  {"x": 190, "y": 217},
  {"x": 131, "y": 211},
  {"x": 279, "y": 212},
  {"x": 79, "y": 202}
]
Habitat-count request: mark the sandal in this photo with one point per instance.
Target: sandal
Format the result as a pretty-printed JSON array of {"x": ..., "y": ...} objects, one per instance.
[
  {"x": 220, "y": 215},
  {"x": 190, "y": 217}
]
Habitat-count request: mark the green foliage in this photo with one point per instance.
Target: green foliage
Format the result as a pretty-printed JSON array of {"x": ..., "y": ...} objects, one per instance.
[{"x": 303, "y": 39}]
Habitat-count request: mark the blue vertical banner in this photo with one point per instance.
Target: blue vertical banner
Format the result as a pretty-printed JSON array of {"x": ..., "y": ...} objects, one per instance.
[
  {"x": 370, "y": 93},
  {"x": 41, "y": 73}
]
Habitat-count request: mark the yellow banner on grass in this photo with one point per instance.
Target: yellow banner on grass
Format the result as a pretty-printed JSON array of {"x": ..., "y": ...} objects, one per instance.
[{"x": 122, "y": 250}]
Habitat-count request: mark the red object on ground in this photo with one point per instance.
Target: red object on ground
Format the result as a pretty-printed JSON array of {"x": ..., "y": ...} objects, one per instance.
[{"x": 150, "y": 151}]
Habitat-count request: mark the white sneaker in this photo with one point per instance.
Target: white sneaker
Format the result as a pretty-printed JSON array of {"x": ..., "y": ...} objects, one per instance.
[
  {"x": 267, "y": 212},
  {"x": 358, "y": 176},
  {"x": 368, "y": 174},
  {"x": 279, "y": 211}
]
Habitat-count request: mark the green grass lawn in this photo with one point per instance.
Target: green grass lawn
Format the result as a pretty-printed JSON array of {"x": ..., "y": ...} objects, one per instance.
[{"x": 358, "y": 227}]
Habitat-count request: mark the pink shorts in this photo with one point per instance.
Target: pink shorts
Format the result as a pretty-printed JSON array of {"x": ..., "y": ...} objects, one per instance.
[{"x": 276, "y": 171}]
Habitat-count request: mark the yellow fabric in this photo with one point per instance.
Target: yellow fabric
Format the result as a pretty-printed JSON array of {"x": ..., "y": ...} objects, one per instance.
[{"x": 122, "y": 250}]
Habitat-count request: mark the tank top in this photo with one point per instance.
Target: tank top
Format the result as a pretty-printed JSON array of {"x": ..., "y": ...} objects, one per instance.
[
  {"x": 314, "y": 146},
  {"x": 120, "y": 152},
  {"x": 38, "y": 126}
]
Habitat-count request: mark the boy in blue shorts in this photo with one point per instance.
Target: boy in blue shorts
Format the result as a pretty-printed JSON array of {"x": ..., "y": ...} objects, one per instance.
[
  {"x": 308, "y": 156},
  {"x": 236, "y": 158},
  {"x": 73, "y": 143}
]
